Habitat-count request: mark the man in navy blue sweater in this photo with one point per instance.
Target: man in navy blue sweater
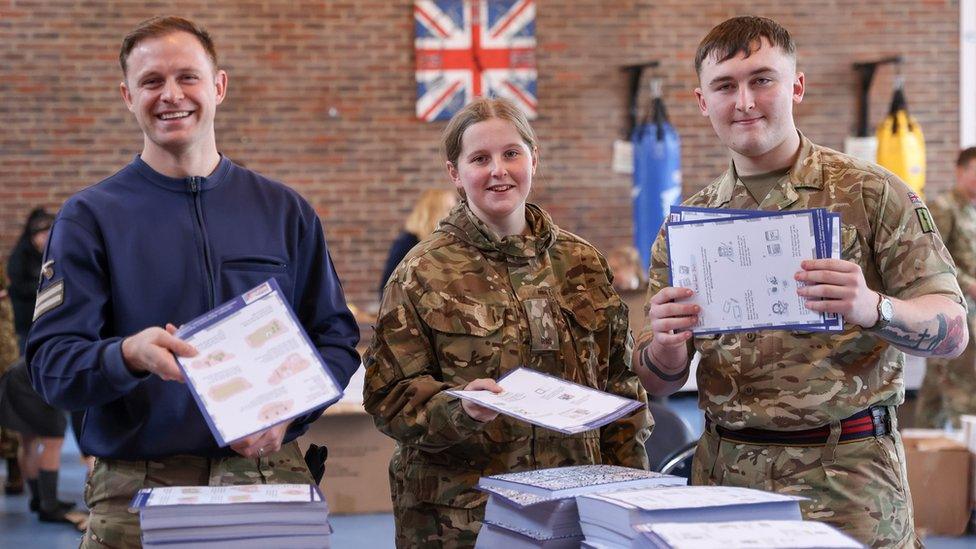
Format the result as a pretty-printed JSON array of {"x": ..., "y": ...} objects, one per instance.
[{"x": 176, "y": 232}]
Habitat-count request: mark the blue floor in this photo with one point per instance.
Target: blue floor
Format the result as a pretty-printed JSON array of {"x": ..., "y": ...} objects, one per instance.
[{"x": 19, "y": 528}]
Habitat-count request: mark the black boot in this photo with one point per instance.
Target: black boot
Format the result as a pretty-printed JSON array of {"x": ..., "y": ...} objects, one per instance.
[
  {"x": 35, "y": 495},
  {"x": 51, "y": 509},
  {"x": 15, "y": 482}
]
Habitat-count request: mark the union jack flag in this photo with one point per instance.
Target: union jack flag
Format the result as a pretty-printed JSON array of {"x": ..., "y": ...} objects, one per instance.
[{"x": 470, "y": 48}]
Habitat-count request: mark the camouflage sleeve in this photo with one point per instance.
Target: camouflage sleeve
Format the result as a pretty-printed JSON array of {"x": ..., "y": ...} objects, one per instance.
[
  {"x": 959, "y": 240},
  {"x": 402, "y": 390},
  {"x": 909, "y": 253},
  {"x": 622, "y": 442},
  {"x": 9, "y": 351}
]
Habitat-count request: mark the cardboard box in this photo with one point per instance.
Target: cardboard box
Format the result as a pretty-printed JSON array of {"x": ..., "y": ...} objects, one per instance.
[
  {"x": 939, "y": 477},
  {"x": 356, "y": 476}
]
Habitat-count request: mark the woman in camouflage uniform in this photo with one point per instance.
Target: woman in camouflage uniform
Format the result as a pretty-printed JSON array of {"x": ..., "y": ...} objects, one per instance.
[{"x": 495, "y": 287}]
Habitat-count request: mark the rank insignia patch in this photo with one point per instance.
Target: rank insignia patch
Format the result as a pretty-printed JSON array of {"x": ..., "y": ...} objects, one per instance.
[{"x": 925, "y": 220}]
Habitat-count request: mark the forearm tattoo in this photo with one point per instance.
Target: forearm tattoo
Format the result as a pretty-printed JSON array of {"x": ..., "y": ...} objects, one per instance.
[{"x": 941, "y": 336}]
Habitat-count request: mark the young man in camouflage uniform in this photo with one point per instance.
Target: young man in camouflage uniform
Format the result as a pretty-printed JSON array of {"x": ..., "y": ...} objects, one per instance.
[
  {"x": 807, "y": 413},
  {"x": 949, "y": 388}
]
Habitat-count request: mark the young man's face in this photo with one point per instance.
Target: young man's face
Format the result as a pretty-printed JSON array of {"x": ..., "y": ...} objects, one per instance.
[
  {"x": 966, "y": 178},
  {"x": 749, "y": 100},
  {"x": 173, "y": 90}
]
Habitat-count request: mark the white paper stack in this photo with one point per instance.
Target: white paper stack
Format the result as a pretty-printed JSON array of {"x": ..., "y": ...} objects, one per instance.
[
  {"x": 538, "y": 508},
  {"x": 233, "y": 517},
  {"x": 610, "y": 519},
  {"x": 768, "y": 534}
]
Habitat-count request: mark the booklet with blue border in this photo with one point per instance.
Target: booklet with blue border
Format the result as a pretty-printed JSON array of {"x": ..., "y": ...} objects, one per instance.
[
  {"x": 256, "y": 366},
  {"x": 745, "y": 282},
  {"x": 831, "y": 240}
]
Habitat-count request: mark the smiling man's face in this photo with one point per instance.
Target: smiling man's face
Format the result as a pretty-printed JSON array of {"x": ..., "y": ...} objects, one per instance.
[
  {"x": 173, "y": 89},
  {"x": 749, "y": 101}
]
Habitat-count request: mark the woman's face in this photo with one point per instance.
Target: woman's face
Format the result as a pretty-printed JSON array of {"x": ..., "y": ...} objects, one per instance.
[
  {"x": 494, "y": 170},
  {"x": 39, "y": 240}
]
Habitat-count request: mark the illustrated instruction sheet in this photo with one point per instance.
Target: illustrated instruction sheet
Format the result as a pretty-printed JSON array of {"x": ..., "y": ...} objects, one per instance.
[
  {"x": 552, "y": 402},
  {"x": 741, "y": 268},
  {"x": 679, "y": 213},
  {"x": 220, "y": 495},
  {"x": 256, "y": 366}
]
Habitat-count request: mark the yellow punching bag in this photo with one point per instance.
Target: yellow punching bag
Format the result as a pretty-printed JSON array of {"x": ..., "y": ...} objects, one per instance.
[{"x": 901, "y": 147}]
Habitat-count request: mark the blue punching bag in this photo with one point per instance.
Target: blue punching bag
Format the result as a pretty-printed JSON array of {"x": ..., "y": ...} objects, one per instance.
[{"x": 657, "y": 177}]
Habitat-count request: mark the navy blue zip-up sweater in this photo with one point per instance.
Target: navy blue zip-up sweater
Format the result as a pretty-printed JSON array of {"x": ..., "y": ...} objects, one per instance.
[{"x": 140, "y": 249}]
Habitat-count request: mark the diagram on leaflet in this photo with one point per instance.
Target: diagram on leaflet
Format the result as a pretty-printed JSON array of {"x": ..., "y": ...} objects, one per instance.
[{"x": 255, "y": 367}]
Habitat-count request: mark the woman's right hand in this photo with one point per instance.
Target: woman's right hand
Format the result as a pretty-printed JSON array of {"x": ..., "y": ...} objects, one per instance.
[{"x": 477, "y": 411}]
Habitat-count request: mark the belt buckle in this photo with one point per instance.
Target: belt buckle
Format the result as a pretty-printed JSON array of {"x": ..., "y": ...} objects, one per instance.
[{"x": 880, "y": 419}]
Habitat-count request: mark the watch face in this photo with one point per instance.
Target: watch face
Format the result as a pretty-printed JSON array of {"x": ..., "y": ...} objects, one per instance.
[{"x": 886, "y": 310}]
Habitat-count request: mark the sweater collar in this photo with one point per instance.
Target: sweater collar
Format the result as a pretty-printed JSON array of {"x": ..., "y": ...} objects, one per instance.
[{"x": 183, "y": 184}]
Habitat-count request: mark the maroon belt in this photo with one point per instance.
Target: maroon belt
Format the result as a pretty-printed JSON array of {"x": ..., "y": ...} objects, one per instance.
[{"x": 870, "y": 423}]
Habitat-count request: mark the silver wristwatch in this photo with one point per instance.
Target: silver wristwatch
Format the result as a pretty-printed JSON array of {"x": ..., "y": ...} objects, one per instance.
[{"x": 886, "y": 312}]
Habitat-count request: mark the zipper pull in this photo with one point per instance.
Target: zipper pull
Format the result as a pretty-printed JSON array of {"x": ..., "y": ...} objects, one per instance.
[{"x": 194, "y": 182}]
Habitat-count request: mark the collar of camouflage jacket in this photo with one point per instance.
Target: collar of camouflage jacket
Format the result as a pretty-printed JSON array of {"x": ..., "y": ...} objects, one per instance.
[
  {"x": 465, "y": 225},
  {"x": 807, "y": 172}
]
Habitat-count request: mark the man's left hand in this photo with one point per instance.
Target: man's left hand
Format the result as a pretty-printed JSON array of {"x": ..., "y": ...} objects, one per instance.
[
  {"x": 843, "y": 290},
  {"x": 261, "y": 444}
]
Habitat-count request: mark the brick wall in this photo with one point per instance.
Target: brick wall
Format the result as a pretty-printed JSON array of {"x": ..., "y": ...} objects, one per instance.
[{"x": 321, "y": 96}]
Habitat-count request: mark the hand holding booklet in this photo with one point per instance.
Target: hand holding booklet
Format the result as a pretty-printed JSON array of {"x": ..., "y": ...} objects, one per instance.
[
  {"x": 256, "y": 367},
  {"x": 552, "y": 402},
  {"x": 741, "y": 266}
]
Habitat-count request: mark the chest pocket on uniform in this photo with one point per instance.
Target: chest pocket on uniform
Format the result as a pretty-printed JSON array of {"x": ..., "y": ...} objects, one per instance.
[
  {"x": 850, "y": 246},
  {"x": 466, "y": 336},
  {"x": 588, "y": 314},
  {"x": 542, "y": 324}
]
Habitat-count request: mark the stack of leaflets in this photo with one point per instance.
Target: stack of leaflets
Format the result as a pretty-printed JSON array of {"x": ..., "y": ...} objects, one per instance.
[
  {"x": 769, "y": 534},
  {"x": 610, "y": 519},
  {"x": 538, "y": 508},
  {"x": 741, "y": 265},
  {"x": 238, "y": 517}
]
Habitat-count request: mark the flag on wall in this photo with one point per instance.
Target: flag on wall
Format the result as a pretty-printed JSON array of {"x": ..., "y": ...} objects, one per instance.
[{"x": 470, "y": 48}]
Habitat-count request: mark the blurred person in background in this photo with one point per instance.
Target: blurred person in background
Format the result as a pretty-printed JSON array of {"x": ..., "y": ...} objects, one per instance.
[
  {"x": 14, "y": 483},
  {"x": 430, "y": 208},
  {"x": 24, "y": 269},
  {"x": 949, "y": 388}
]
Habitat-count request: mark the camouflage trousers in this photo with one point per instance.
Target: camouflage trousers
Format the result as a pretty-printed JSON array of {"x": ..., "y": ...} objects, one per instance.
[
  {"x": 423, "y": 521},
  {"x": 949, "y": 389},
  {"x": 114, "y": 482},
  {"x": 859, "y": 487},
  {"x": 426, "y": 525}
]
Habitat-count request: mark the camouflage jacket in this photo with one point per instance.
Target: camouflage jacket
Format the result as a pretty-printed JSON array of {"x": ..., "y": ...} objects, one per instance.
[
  {"x": 955, "y": 216},
  {"x": 464, "y": 305},
  {"x": 9, "y": 350},
  {"x": 789, "y": 380}
]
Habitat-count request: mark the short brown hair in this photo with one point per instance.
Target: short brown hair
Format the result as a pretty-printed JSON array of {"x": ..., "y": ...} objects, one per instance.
[
  {"x": 965, "y": 157},
  {"x": 479, "y": 110},
  {"x": 161, "y": 26},
  {"x": 743, "y": 35}
]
